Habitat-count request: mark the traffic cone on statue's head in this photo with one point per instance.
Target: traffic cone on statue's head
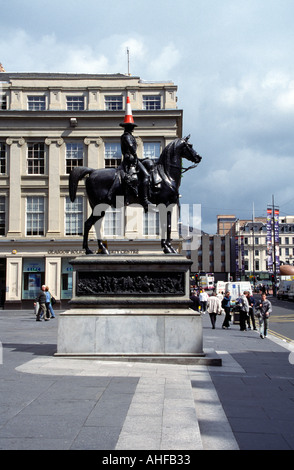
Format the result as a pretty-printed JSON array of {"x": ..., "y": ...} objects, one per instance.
[{"x": 129, "y": 120}]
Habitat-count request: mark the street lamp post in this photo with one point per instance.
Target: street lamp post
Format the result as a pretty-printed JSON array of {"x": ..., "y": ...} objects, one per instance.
[{"x": 253, "y": 256}]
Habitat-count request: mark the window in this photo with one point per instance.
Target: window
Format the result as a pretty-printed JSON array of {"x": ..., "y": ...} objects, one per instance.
[
  {"x": 2, "y": 158},
  {"x": 2, "y": 215},
  {"x": 36, "y": 103},
  {"x": 151, "y": 102},
  {"x": 151, "y": 223},
  {"x": 33, "y": 277},
  {"x": 113, "y": 222},
  {"x": 112, "y": 155},
  {"x": 113, "y": 103},
  {"x": 36, "y": 159},
  {"x": 74, "y": 155},
  {"x": 75, "y": 103},
  {"x": 35, "y": 215},
  {"x": 3, "y": 102},
  {"x": 151, "y": 150},
  {"x": 74, "y": 216}
]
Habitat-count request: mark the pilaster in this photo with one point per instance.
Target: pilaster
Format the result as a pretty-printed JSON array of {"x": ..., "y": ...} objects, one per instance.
[
  {"x": 16, "y": 154},
  {"x": 53, "y": 275},
  {"x": 54, "y": 185},
  {"x": 93, "y": 144},
  {"x": 13, "y": 279}
]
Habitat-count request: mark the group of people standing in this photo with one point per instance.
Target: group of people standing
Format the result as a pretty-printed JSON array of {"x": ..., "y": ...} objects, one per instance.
[
  {"x": 43, "y": 305},
  {"x": 248, "y": 308}
]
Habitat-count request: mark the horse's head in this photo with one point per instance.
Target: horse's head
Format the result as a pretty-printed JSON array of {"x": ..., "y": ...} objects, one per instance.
[
  {"x": 172, "y": 155},
  {"x": 188, "y": 152}
]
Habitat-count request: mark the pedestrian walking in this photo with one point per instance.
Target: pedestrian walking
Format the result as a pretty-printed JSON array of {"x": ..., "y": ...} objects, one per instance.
[
  {"x": 244, "y": 310},
  {"x": 226, "y": 305},
  {"x": 264, "y": 309},
  {"x": 50, "y": 311},
  {"x": 196, "y": 302},
  {"x": 251, "y": 314},
  {"x": 203, "y": 297},
  {"x": 41, "y": 299},
  {"x": 214, "y": 308}
]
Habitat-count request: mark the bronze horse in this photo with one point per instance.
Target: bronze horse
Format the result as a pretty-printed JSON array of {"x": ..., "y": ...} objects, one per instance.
[{"x": 168, "y": 171}]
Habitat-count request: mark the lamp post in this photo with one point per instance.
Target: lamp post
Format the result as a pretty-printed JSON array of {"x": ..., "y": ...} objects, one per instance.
[
  {"x": 253, "y": 256},
  {"x": 275, "y": 237}
]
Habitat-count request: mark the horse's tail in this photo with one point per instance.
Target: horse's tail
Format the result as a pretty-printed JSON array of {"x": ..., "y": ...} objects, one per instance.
[{"x": 76, "y": 174}]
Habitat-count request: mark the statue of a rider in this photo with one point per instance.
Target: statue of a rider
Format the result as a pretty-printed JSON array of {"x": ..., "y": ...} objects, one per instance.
[{"x": 132, "y": 171}]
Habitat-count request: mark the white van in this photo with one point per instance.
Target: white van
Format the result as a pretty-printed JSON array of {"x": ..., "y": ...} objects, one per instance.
[
  {"x": 220, "y": 287},
  {"x": 236, "y": 289},
  {"x": 285, "y": 290}
]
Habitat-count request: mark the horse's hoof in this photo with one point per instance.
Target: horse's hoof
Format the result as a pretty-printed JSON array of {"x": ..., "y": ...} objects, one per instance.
[
  {"x": 103, "y": 252},
  {"x": 89, "y": 252}
]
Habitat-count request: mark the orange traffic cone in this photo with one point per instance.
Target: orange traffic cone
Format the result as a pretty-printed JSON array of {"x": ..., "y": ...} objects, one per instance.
[{"x": 129, "y": 120}]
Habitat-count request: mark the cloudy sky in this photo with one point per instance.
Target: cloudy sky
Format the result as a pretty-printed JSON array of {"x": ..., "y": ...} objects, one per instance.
[{"x": 232, "y": 61}]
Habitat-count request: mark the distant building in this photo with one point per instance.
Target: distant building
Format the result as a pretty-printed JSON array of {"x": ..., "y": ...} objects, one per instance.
[
  {"x": 211, "y": 254},
  {"x": 251, "y": 255},
  {"x": 239, "y": 249},
  {"x": 226, "y": 225}
]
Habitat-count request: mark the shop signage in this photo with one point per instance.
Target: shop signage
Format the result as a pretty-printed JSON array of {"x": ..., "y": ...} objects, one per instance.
[{"x": 81, "y": 252}]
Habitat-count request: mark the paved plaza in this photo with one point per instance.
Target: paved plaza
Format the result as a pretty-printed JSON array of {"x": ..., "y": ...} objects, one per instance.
[{"x": 50, "y": 402}]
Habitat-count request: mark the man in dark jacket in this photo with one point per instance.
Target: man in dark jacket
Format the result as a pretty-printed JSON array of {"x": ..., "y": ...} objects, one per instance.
[
  {"x": 196, "y": 302},
  {"x": 226, "y": 305},
  {"x": 42, "y": 312},
  {"x": 264, "y": 310},
  {"x": 251, "y": 302}
]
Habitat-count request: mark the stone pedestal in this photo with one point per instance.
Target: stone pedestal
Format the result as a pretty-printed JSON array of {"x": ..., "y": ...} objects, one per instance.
[{"x": 131, "y": 307}]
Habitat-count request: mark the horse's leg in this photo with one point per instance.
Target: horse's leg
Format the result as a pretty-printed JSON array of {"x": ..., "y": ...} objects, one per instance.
[
  {"x": 102, "y": 250},
  {"x": 166, "y": 230},
  {"x": 168, "y": 233},
  {"x": 87, "y": 227},
  {"x": 88, "y": 224}
]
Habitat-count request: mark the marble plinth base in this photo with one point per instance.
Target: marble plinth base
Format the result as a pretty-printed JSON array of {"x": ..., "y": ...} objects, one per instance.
[
  {"x": 109, "y": 332},
  {"x": 134, "y": 307}
]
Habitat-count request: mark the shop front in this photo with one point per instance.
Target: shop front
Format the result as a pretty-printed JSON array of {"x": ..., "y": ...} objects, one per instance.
[{"x": 25, "y": 267}]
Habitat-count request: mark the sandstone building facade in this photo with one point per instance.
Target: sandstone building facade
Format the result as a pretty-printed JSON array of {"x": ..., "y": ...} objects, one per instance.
[{"x": 50, "y": 123}]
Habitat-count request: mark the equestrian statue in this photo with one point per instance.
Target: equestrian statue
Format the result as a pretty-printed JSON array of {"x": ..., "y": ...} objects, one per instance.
[{"x": 138, "y": 181}]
